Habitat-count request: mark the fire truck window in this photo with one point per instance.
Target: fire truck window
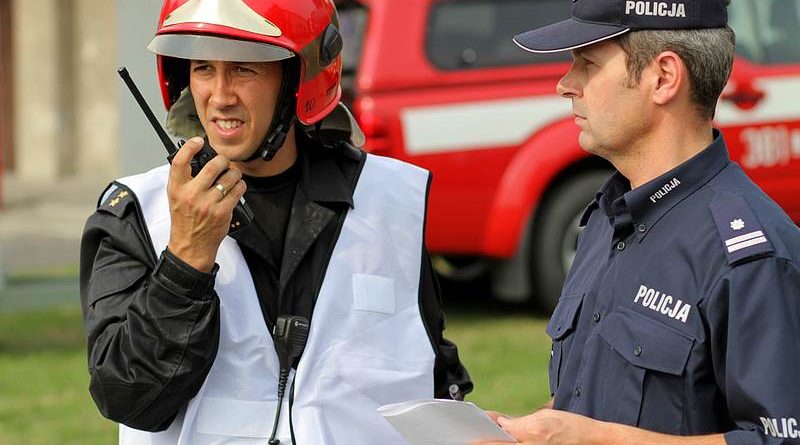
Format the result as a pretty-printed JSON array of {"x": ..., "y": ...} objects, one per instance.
[
  {"x": 766, "y": 30},
  {"x": 478, "y": 33},
  {"x": 740, "y": 18},
  {"x": 780, "y": 40},
  {"x": 352, "y": 26}
]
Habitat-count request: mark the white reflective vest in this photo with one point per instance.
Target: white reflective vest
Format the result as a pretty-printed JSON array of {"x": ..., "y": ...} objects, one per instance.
[{"x": 367, "y": 344}]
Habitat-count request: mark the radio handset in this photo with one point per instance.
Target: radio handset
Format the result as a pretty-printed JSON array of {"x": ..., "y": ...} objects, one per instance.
[
  {"x": 289, "y": 336},
  {"x": 242, "y": 215}
]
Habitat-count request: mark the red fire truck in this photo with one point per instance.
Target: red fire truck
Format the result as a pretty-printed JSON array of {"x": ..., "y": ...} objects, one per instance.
[{"x": 440, "y": 83}]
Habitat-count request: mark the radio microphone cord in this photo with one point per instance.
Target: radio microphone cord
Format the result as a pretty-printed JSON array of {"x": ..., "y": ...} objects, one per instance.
[{"x": 289, "y": 335}]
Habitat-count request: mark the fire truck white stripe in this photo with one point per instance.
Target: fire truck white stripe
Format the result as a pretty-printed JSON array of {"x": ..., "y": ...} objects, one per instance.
[
  {"x": 779, "y": 103},
  {"x": 508, "y": 122},
  {"x": 479, "y": 125},
  {"x": 744, "y": 237}
]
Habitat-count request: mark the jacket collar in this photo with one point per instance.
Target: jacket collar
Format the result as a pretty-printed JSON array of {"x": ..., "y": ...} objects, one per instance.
[
  {"x": 646, "y": 205},
  {"x": 321, "y": 178}
]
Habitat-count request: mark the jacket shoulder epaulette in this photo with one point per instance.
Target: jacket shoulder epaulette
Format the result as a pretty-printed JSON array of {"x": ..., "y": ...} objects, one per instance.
[
  {"x": 116, "y": 199},
  {"x": 743, "y": 237}
]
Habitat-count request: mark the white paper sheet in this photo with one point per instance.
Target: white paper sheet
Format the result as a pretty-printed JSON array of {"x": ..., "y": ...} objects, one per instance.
[{"x": 442, "y": 422}]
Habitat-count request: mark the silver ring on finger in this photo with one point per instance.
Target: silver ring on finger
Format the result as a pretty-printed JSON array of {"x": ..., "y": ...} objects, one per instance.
[{"x": 221, "y": 189}]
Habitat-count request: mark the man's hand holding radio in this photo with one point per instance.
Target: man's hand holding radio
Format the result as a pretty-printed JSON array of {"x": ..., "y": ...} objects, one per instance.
[{"x": 201, "y": 207}]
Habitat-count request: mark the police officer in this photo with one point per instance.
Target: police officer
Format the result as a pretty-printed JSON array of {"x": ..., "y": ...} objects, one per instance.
[
  {"x": 180, "y": 297},
  {"x": 681, "y": 313}
]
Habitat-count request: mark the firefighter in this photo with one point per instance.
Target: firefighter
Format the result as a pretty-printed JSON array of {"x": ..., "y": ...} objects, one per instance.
[
  {"x": 679, "y": 316},
  {"x": 184, "y": 298}
]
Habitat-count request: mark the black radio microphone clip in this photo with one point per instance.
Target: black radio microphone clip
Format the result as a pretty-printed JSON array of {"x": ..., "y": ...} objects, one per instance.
[{"x": 289, "y": 336}]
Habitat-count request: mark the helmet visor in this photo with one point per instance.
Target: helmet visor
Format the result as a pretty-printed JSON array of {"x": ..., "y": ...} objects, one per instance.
[{"x": 203, "y": 47}]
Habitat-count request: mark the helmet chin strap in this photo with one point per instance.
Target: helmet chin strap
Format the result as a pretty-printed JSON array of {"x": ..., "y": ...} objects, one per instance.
[
  {"x": 275, "y": 139},
  {"x": 285, "y": 114}
]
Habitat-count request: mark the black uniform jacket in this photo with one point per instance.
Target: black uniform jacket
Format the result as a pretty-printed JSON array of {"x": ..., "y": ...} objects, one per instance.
[{"x": 152, "y": 321}]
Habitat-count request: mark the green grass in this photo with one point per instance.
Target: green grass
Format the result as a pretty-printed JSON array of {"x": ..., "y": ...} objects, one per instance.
[
  {"x": 43, "y": 379},
  {"x": 507, "y": 357},
  {"x": 43, "y": 382},
  {"x": 43, "y": 274}
]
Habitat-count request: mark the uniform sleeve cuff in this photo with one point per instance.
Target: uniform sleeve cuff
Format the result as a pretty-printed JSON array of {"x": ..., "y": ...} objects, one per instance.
[
  {"x": 744, "y": 437},
  {"x": 183, "y": 279}
]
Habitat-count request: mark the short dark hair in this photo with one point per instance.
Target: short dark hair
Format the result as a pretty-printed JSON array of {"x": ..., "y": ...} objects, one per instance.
[{"x": 707, "y": 54}]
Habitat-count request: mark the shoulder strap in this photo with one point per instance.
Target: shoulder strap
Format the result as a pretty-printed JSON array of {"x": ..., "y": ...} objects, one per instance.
[{"x": 742, "y": 235}]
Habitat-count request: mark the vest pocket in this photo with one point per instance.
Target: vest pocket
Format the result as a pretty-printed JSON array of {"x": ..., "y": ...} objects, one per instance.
[
  {"x": 374, "y": 293},
  {"x": 644, "y": 371},
  {"x": 561, "y": 325}
]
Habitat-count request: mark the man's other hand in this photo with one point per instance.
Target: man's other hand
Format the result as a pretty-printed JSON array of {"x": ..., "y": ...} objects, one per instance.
[{"x": 547, "y": 427}]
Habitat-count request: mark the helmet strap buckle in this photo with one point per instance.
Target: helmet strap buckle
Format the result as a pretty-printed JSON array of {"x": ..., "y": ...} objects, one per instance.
[{"x": 275, "y": 140}]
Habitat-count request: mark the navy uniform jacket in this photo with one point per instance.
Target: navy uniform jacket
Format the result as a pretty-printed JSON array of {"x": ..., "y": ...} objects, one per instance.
[{"x": 681, "y": 313}]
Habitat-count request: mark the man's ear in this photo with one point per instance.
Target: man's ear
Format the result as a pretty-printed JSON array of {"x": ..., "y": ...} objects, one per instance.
[{"x": 669, "y": 77}]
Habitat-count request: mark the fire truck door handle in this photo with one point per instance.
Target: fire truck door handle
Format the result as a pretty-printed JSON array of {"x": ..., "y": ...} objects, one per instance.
[{"x": 745, "y": 97}]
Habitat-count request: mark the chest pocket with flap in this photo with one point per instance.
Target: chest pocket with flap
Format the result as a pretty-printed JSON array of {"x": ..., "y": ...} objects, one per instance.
[
  {"x": 642, "y": 371},
  {"x": 562, "y": 324}
]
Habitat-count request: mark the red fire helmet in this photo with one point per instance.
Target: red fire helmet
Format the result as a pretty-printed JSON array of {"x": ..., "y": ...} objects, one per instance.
[{"x": 253, "y": 31}]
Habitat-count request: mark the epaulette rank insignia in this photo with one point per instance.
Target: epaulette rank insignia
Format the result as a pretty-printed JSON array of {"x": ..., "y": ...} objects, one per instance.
[
  {"x": 115, "y": 198},
  {"x": 741, "y": 232}
]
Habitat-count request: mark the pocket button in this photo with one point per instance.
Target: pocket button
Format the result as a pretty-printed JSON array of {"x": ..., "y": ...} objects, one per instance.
[{"x": 637, "y": 351}]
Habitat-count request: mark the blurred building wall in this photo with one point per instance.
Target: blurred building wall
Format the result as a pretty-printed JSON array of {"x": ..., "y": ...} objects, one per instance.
[
  {"x": 6, "y": 95},
  {"x": 96, "y": 98},
  {"x": 139, "y": 147},
  {"x": 66, "y": 119}
]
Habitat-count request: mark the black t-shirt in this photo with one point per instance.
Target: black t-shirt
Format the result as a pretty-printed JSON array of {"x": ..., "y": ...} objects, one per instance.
[{"x": 270, "y": 198}]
